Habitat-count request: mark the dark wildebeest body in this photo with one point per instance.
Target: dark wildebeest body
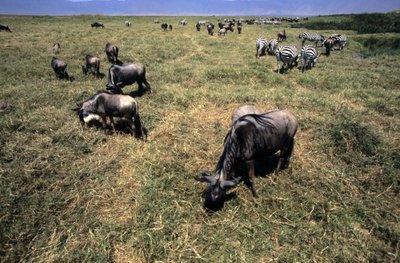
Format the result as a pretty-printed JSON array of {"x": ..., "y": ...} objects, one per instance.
[
  {"x": 328, "y": 44},
  {"x": 92, "y": 65},
  {"x": 210, "y": 29},
  {"x": 60, "y": 68},
  {"x": 112, "y": 53},
  {"x": 121, "y": 76},
  {"x": 97, "y": 25},
  {"x": 251, "y": 136},
  {"x": 282, "y": 36},
  {"x": 104, "y": 104},
  {"x": 4, "y": 27},
  {"x": 164, "y": 27}
]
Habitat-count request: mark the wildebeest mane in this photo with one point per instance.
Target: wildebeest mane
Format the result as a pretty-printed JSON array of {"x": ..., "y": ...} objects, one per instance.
[{"x": 252, "y": 140}]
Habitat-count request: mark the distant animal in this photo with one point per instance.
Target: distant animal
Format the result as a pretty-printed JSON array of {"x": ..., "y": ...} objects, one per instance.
[
  {"x": 60, "y": 68},
  {"x": 112, "y": 53},
  {"x": 128, "y": 23},
  {"x": 156, "y": 21},
  {"x": 120, "y": 76},
  {"x": 222, "y": 31},
  {"x": 244, "y": 110},
  {"x": 288, "y": 55},
  {"x": 272, "y": 46},
  {"x": 170, "y": 27},
  {"x": 313, "y": 37},
  {"x": 183, "y": 22},
  {"x": 97, "y": 25},
  {"x": 5, "y": 28},
  {"x": 239, "y": 28},
  {"x": 92, "y": 66},
  {"x": 340, "y": 40},
  {"x": 105, "y": 104},
  {"x": 198, "y": 26},
  {"x": 56, "y": 47},
  {"x": 328, "y": 44},
  {"x": 309, "y": 57},
  {"x": 164, "y": 27},
  {"x": 210, "y": 29},
  {"x": 282, "y": 36},
  {"x": 251, "y": 136},
  {"x": 261, "y": 47}
]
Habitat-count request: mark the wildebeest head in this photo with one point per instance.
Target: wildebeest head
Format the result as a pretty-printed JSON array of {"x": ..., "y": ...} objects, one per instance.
[
  {"x": 216, "y": 191},
  {"x": 87, "y": 110}
]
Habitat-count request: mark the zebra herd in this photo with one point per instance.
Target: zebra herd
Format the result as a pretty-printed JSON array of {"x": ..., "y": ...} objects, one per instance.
[{"x": 287, "y": 56}]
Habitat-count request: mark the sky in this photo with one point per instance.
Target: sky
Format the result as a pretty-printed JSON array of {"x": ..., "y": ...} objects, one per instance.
[{"x": 196, "y": 7}]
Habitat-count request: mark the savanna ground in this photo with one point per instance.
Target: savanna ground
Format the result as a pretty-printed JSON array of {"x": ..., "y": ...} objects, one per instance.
[{"x": 69, "y": 193}]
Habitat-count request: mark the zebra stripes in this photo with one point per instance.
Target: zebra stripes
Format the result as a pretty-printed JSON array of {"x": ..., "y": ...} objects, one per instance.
[
  {"x": 308, "y": 57},
  {"x": 272, "y": 46},
  {"x": 313, "y": 37},
  {"x": 288, "y": 55},
  {"x": 261, "y": 46}
]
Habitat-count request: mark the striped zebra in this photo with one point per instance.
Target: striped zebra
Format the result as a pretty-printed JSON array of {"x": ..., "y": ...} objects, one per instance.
[
  {"x": 288, "y": 55},
  {"x": 313, "y": 37},
  {"x": 308, "y": 57},
  {"x": 272, "y": 46},
  {"x": 340, "y": 40},
  {"x": 261, "y": 46}
]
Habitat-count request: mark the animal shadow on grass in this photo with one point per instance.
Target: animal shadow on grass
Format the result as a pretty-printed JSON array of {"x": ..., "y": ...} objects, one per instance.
[
  {"x": 137, "y": 93},
  {"x": 121, "y": 127}
]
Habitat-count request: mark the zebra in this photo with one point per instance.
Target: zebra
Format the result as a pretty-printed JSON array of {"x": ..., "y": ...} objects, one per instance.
[
  {"x": 288, "y": 55},
  {"x": 261, "y": 46},
  {"x": 313, "y": 37},
  {"x": 272, "y": 46},
  {"x": 308, "y": 56},
  {"x": 340, "y": 40}
]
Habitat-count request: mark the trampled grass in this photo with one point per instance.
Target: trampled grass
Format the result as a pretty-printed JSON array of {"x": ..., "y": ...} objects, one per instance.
[{"x": 69, "y": 193}]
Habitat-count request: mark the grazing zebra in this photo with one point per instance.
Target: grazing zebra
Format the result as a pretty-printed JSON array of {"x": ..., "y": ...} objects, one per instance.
[
  {"x": 308, "y": 56},
  {"x": 328, "y": 44},
  {"x": 272, "y": 46},
  {"x": 210, "y": 29},
  {"x": 261, "y": 46},
  {"x": 239, "y": 28},
  {"x": 340, "y": 40},
  {"x": 313, "y": 37},
  {"x": 288, "y": 55}
]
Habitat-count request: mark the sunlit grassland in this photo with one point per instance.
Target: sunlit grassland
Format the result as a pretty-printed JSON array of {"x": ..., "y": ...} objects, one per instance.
[{"x": 69, "y": 193}]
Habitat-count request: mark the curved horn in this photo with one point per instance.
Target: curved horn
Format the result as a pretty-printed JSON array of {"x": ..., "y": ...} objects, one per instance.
[{"x": 230, "y": 183}]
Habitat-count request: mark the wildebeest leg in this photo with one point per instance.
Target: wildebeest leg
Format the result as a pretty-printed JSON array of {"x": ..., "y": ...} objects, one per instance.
[
  {"x": 104, "y": 123},
  {"x": 140, "y": 87},
  {"x": 112, "y": 123},
  {"x": 147, "y": 85},
  {"x": 284, "y": 155},
  {"x": 251, "y": 176}
]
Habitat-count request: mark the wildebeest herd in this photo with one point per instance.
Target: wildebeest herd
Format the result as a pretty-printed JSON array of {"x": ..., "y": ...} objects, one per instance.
[{"x": 252, "y": 134}]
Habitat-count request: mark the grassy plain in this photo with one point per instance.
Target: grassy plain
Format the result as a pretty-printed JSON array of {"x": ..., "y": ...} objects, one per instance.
[{"x": 74, "y": 194}]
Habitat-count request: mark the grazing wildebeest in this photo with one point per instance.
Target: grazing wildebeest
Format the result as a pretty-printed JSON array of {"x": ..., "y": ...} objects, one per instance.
[
  {"x": 198, "y": 26},
  {"x": 56, "y": 47},
  {"x": 239, "y": 28},
  {"x": 105, "y": 104},
  {"x": 60, "y": 68},
  {"x": 282, "y": 36},
  {"x": 250, "y": 137},
  {"x": 97, "y": 25},
  {"x": 4, "y": 27},
  {"x": 92, "y": 65},
  {"x": 112, "y": 53},
  {"x": 210, "y": 29},
  {"x": 170, "y": 27},
  {"x": 328, "y": 44},
  {"x": 127, "y": 74},
  {"x": 164, "y": 27}
]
